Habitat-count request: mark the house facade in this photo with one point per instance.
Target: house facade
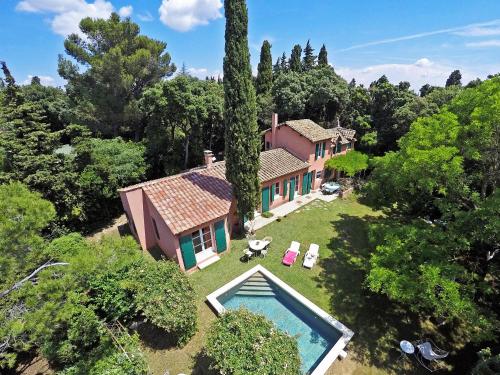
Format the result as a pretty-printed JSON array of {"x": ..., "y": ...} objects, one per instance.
[{"x": 190, "y": 216}]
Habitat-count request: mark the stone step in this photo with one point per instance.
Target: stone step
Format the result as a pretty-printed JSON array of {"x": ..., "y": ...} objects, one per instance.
[
  {"x": 256, "y": 283},
  {"x": 254, "y": 293},
  {"x": 208, "y": 262},
  {"x": 264, "y": 288}
]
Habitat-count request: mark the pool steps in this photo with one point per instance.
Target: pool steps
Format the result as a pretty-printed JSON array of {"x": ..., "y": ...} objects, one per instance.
[{"x": 256, "y": 285}]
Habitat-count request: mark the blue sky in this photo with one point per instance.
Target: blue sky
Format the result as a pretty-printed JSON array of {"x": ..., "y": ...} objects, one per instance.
[{"x": 419, "y": 41}]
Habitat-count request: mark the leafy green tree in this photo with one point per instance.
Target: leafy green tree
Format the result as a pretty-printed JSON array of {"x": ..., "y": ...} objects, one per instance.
[
  {"x": 386, "y": 98},
  {"x": 24, "y": 215},
  {"x": 327, "y": 95},
  {"x": 165, "y": 297},
  {"x": 240, "y": 115},
  {"x": 309, "y": 60},
  {"x": 104, "y": 166},
  {"x": 454, "y": 79},
  {"x": 323, "y": 56},
  {"x": 264, "y": 80},
  {"x": 426, "y": 89},
  {"x": 411, "y": 264},
  {"x": 231, "y": 345},
  {"x": 118, "y": 64},
  {"x": 295, "y": 62},
  {"x": 351, "y": 163},
  {"x": 290, "y": 95}
]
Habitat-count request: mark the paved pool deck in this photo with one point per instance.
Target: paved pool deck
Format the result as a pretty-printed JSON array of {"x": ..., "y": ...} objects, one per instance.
[{"x": 289, "y": 207}]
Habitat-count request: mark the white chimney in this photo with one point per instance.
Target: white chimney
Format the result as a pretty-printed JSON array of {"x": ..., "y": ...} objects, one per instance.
[
  {"x": 274, "y": 127},
  {"x": 209, "y": 158}
]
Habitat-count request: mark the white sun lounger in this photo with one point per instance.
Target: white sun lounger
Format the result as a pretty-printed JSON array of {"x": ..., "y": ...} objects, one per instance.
[{"x": 311, "y": 256}]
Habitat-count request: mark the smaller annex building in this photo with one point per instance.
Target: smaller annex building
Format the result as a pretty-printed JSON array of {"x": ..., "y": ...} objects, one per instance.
[{"x": 191, "y": 216}]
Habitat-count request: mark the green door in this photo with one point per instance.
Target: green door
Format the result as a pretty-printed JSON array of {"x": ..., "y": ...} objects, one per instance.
[
  {"x": 305, "y": 177},
  {"x": 265, "y": 199},
  {"x": 220, "y": 236},
  {"x": 292, "y": 189},
  {"x": 187, "y": 252}
]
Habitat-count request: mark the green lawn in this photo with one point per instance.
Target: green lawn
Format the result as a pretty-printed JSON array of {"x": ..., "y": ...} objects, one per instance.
[{"x": 335, "y": 284}]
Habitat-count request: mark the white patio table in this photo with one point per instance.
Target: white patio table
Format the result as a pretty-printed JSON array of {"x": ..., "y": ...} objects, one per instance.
[{"x": 257, "y": 245}]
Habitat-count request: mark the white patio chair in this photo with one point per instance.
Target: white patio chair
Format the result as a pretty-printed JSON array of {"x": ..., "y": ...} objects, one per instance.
[{"x": 430, "y": 352}]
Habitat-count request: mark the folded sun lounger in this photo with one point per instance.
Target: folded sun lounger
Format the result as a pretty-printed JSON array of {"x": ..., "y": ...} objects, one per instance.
[{"x": 291, "y": 254}]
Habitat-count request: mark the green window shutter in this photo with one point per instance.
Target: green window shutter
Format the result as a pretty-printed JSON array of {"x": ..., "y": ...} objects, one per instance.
[
  {"x": 187, "y": 251},
  {"x": 285, "y": 187},
  {"x": 316, "y": 154},
  {"x": 265, "y": 199},
  {"x": 323, "y": 150},
  {"x": 272, "y": 192},
  {"x": 292, "y": 189},
  {"x": 304, "y": 183},
  {"x": 220, "y": 236},
  {"x": 339, "y": 148}
]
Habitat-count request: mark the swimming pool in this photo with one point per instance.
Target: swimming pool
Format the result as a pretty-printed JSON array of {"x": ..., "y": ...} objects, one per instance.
[{"x": 320, "y": 337}]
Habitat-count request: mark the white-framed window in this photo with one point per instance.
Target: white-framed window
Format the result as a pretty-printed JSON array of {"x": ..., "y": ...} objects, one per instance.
[
  {"x": 202, "y": 239},
  {"x": 318, "y": 174},
  {"x": 297, "y": 183},
  {"x": 276, "y": 188}
]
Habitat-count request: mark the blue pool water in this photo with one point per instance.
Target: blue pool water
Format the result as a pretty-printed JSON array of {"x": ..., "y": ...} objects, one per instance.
[{"x": 315, "y": 337}]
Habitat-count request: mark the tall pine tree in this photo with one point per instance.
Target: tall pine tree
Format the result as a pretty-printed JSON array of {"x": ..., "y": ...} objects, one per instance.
[
  {"x": 264, "y": 80},
  {"x": 309, "y": 58},
  {"x": 240, "y": 116},
  {"x": 323, "y": 57},
  {"x": 295, "y": 63}
]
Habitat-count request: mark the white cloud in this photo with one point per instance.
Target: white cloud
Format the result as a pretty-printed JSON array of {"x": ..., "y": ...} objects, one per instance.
[
  {"x": 450, "y": 30},
  {"x": 44, "y": 80},
  {"x": 146, "y": 17},
  {"x": 202, "y": 73},
  {"x": 183, "y": 15},
  {"x": 67, "y": 14},
  {"x": 479, "y": 31},
  {"x": 484, "y": 44},
  {"x": 418, "y": 73},
  {"x": 126, "y": 11}
]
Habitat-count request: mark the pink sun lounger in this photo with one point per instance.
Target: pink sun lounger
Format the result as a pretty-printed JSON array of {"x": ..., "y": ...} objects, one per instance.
[{"x": 291, "y": 254}]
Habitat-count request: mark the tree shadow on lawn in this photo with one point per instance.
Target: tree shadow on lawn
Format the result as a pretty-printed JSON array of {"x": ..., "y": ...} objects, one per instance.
[
  {"x": 154, "y": 337},
  {"x": 379, "y": 324}
]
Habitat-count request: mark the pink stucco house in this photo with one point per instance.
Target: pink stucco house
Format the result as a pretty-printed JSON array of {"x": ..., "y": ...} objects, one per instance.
[{"x": 190, "y": 216}]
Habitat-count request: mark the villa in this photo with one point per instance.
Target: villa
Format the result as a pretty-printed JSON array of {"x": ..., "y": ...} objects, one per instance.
[{"x": 191, "y": 216}]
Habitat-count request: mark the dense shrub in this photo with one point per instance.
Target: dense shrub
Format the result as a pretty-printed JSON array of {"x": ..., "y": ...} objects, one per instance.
[
  {"x": 165, "y": 297},
  {"x": 110, "y": 296},
  {"x": 122, "y": 357},
  {"x": 240, "y": 342}
]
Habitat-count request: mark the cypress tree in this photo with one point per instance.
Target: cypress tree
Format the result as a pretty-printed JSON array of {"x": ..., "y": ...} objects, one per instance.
[
  {"x": 295, "y": 63},
  {"x": 277, "y": 68},
  {"x": 323, "y": 56},
  {"x": 283, "y": 63},
  {"x": 264, "y": 70},
  {"x": 242, "y": 140},
  {"x": 309, "y": 58}
]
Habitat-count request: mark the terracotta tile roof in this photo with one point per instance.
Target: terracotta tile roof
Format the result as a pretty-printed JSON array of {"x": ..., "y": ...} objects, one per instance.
[
  {"x": 345, "y": 135},
  {"x": 191, "y": 198},
  {"x": 309, "y": 129},
  {"x": 200, "y": 195},
  {"x": 316, "y": 133},
  {"x": 278, "y": 162}
]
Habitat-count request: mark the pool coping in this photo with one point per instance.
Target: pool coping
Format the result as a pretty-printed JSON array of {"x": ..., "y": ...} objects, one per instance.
[{"x": 338, "y": 348}]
